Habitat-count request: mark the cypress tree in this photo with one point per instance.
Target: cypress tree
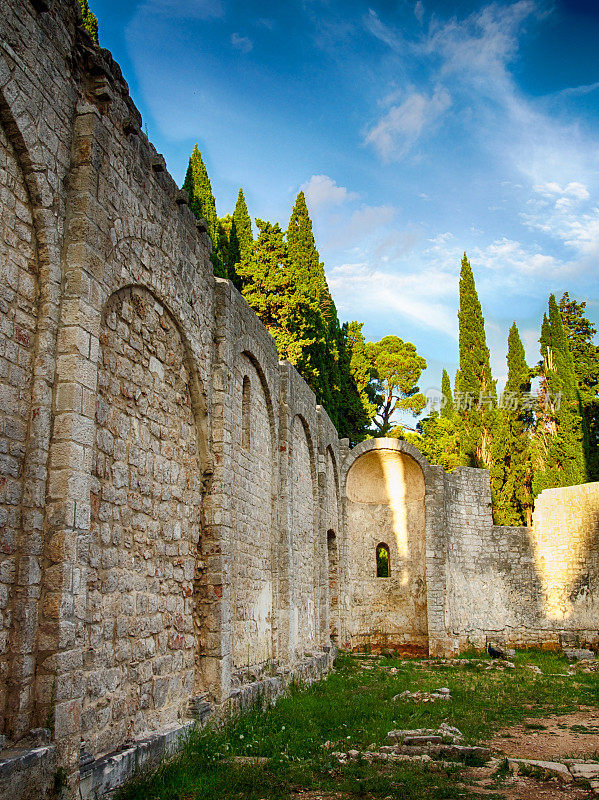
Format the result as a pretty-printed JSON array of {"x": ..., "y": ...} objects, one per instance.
[
  {"x": 511, "y": 473},
  {"x": 240, "y": 240},
  {"x": 580, "y": 332},
  {"x": 559, "y": 440},
  {"x": 202, "y": 203},
  {"x": 319, "y": 361},
  {"x": 448, "y": 407},
  {"x": 243, "y": 226},
  {"x": 90, "y": 21},
  {"x": 474, "y": 381}
]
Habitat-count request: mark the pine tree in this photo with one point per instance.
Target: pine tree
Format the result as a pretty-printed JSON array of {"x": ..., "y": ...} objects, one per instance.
[
  {"x": 269, "y": 288},
  {"x": 511, "y": 473},
  {"x": 202, "y": 203},
  {"x": 559, "y": 452},
  {"x": 448, "y": 409},
  {"x": 90, "y": 21},
  {"x": 585, "y": 352},
  {"x": 395, "y": 369},
  {"x": 475, "y": 384}
]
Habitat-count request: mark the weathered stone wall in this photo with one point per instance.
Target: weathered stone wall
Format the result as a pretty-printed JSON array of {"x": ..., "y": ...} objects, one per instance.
[
  {"x": 18, "y": 306},
  {"x": 164, "y": 493},
  {"x": 175, "y": 536},
  {"x": 521, "y": 586},
  {"x": 140, "y": 646}
]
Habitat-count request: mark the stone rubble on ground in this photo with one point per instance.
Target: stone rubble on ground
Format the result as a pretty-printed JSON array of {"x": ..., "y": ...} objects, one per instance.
[
  {"x": 568, "y": 771},
  {"x": 578, "y": 654},
  {"x": 441, "y": 746},
  {"x": 424, "y": 697}
]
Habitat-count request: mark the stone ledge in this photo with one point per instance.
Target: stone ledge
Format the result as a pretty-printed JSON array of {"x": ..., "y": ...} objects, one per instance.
[
  {"x": 107, "y": 773},
  {"x": 27, "y": 773}
]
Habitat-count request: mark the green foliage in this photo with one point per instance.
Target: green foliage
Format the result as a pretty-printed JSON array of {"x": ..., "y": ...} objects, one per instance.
[
  {"x": 585, "y": 353},
  {"x": 559, "y": 446},
  {"x": 382, "y": 561},
  {"x": 203, "y": 205},
  {"x": 448, "y": 408},
  {"x": 395, "y": 370},
  {"x": 90, "y": 21},
  {"x": 474, "y": 378},
  {"x": 269, "y": 288},
  {"x": 437, "y": 435},
  {"x": 354, "y": 409},
  {"x": 317, "y": 364},
  {"x": 511, "y": 471}
]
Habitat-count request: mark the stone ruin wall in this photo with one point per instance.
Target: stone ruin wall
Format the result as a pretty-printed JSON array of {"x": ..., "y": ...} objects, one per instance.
[
  {"x": 521, "y": 586},
  {"x": 175, "y": 535},
  {"x": 484, "y": 583},
  {"x": 166, "y": 485}
]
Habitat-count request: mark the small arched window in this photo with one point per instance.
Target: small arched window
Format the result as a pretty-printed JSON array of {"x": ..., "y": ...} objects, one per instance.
[
  {"x": 245, "y": 414},
  {"x": 383, "y": 567}
]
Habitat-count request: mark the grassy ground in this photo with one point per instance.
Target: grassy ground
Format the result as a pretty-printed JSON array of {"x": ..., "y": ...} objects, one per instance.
[{"x": 353, "y": 709}]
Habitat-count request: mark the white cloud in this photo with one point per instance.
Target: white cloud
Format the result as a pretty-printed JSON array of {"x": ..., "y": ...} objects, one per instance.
[
  {"x": 579, "y": 91},
  {"x": 242, "y": 43},
  {"x": 185, "y": 9},
  {"x": 395, "y": 134},
  {"x": 419, "y": 296},
  {"x": 419, "y": 11},
  {"x": 323, "y": 192}
]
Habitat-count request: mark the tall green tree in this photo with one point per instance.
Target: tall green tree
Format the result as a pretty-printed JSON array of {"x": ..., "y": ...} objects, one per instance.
[
  {"x": 447, "y": 409},
  {"x": 243, "y": 226},
  {"x": 395, "y": 369},
  {"x": 581, "y": 333},
  {"x": 90, "y": 21},
  {"x": 269, "y": 288},
  {"x": 239, "y": 239},
  {"x": 559, "y": 452},
  {"x": 203, "y": 205},
  {"x": 511, "y": 471},
  {"x": 319, "y": 361},
  {"x": 475, "y": 385}
]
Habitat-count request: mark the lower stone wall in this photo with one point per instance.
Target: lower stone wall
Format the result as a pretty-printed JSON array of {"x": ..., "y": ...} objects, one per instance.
[
  {"x": 102, "y": 776},
  {"x": 522, "y": 587}
]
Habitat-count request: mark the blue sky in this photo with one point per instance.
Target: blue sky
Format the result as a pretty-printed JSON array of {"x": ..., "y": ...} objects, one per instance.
[{"x": 417, "y": 130}]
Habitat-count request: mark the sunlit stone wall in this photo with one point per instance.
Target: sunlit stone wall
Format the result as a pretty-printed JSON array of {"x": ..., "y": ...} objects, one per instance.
[
  {"x": 385, "y": 505},
  {"x": 521, "y": 586}
]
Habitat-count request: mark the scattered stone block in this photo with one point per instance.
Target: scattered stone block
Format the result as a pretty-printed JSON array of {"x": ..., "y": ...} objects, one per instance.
[
  {"x": 549, "y": 769},
  {"x": 578, "y": 654}
]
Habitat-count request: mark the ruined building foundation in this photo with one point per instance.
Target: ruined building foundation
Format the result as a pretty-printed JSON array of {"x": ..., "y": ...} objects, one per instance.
[{"x": 181, "y": 530}]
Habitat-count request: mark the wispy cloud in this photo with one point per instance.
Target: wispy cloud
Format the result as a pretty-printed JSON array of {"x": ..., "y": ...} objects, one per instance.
[
  {"x": 242, "y": 43},
  {"x": 579, "y": 91},
  {"x": 396, "y": 133},
  {"x": 420, "y": 297}
]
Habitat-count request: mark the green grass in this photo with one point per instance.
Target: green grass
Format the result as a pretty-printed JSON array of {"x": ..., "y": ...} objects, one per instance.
[{"x": 353, "y": 709}]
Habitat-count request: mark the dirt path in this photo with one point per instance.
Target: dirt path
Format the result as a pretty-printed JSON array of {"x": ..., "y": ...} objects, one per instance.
[{"x": 573, "y": 735}]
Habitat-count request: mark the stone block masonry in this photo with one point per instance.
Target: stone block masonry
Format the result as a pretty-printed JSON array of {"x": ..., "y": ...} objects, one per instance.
[{"x": 181, "y": 531}]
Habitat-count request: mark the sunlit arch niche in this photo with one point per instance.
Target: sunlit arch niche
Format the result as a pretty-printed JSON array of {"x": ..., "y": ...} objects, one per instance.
[
  {"x": 385, "y": 493},
  {"x": 387, "y": 477}
]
